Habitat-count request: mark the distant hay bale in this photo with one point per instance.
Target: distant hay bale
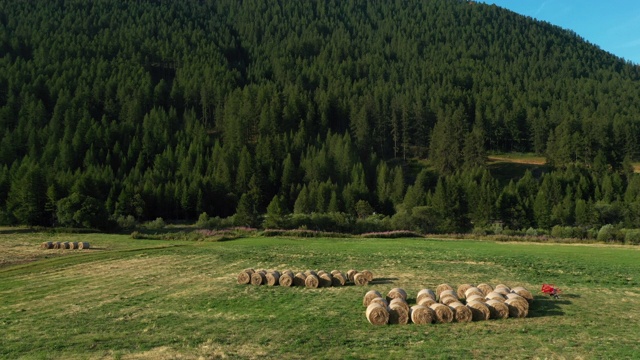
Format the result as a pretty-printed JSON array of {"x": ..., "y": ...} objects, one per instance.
[
  {"x": 502, "y": 289},
  {"x": 333, "y": 272},
  {"x": 442, "y": 287},
  {"x": 325, "y": 279},
  {"x": 370, "y": 295},
  {"x": 447, "y": 300},
  {"x": 258, "y": 278},
  {"x": 479, "y": 310},
  {"x": 287, "y": 272},
  {"x": 286, "y": 279},
  {"x": 339, "y": 279},
  {"x": 310, "y": 272},
  {"x": 312, "y": 281},
  {"x": 73, "y": 245},
  {"x": 498, "y": 309},
  {"x": 400, "y": 302},
  {"x": 475, "y": 297},
  {"x": 46, "y": 245},
  {"x": 425, "y": 293},
  {"x": 485, "y": 288},
  {"x": 396, "y": 293},
  {"x": 495, "y": 296},
  {"x": 56, "y": 244},
  {"x": 379, "y": 300},
  {"x": 244, "y": 278},
  {"x": 518, "y": 308},
  {"x": 367, "y": 274},
  {"x": 398, "y": 313},
  {"x": 461, "y": 313},
  {"x": 473, "y": 291},
  {"x": 83, "y": 245},
  {"x": 444, "y": 314},
  {"x": 449, "y": 293},
  {"x": 461, "y": 289},
  {"x": 64, "y": 245},
  {"x": 514, "y": 296},
  {"x": 377, "y": 314},
  {"x": 320, "y": 272},
  {"x": 299, "y": 278},
  {"x": 526, "y": 294},
  {"x": 351, "y": 273},
  {"x": 426, "y": 301},
  {"x": 421, "y": 315},
  {"x": 273, "y": 277},
  {"x": 360, "y": 279}
]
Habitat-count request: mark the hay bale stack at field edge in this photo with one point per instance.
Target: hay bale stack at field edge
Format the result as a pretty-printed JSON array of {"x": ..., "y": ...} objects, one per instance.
[
  {"x": 442, "y": 287},
  {"x": 299, "y": 279},
  {"x": 479, "y": 310},
  {"x": 461, "y": 313},
  {"x": 498, "y": 309},
  {"x": 425, "y": 293},
  {"x": 400, "y": 302},
  {"x": 46, "y": 245},
  {"x": 518, "y": 308},
  {"x": 444, "y": 314},
  {"x": 461, "y": 291},
  {"x": 325, "y": 279},
  {"x": 377, "y": 314},
  {"x": 258, "y": 278},
  {"x": 360, "y": 279},
  {"x": 485, "y": 288},
  {"x": 286, "y": 279},
  {"x": 84, "y": 245},
  {"x": 398, "y": 313},
  {"x": 351, "y": 273},
  {"x": 396, "y": 293},
  {"x": 311, "y": 281},
  {"x": 244, "y": 277},
  {"x": 339, "y": 279},
  {"x": 526, "y": 294},
  {"x": 421, "y": 315},
  {"x": 370, "y": 295}
]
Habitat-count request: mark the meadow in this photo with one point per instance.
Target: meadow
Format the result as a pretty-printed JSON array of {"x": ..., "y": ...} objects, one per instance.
[{"x": 144, "y": 299}]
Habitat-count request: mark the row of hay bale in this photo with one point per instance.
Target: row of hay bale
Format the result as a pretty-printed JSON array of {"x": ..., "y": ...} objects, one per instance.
[
  {"x": 64, "y": 245},
  {"x": 445, "y": 305},
  {"x": 310, "y": 278}
]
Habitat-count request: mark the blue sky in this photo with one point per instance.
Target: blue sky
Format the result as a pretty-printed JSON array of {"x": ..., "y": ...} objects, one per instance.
[{"x": 613, "y": 25}]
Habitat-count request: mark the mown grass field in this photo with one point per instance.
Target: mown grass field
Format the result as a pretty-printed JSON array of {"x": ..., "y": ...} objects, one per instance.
[{"x": 140, "y": 299}]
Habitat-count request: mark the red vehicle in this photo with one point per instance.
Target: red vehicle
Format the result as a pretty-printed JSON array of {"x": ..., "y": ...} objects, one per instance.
[{"x": 551, "y": 290}]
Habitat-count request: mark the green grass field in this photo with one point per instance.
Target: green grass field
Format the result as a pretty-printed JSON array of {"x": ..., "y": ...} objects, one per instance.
[{"x": 140, "y": 299}]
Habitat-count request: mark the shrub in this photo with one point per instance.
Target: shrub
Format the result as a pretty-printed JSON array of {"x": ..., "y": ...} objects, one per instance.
[
  {"x": 607, "y": 233},
  {"x": 156, "y": 224},
  {"x": 126, "y": 222},
  {"x": 632, "y": 236},
  {"x": 531, "y": 232}
]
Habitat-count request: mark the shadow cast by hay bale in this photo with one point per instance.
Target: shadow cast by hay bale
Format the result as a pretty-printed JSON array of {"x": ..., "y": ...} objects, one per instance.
[
  {"x": 547, "y": 306},
  {"x": 379, "y": 281}
]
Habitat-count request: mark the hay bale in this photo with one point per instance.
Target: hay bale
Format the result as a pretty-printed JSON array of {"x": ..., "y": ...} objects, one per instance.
[
  {"x": 514, "y": 296},
  {"x": 64, "y": 245},
  {"x": 46, "y": 245},
  {"x": 442, "y": 287},
  {"x": 377, "y": 314},
  {"x": 360, "y": 279},
  {"x": 498, "y": 309},
  {"x": 526, "y": 294},
  {"x": 448, "y": 293},
  {"x": 396, "y": 293},
  {"x": 272, "y": 277},
  {"x": 461, "y": 289},
  {"x": 334, "y": 272},
  {"x": 425, "y": 293},
  {"x": 473, "y": 291},
  {"x": 426, "y": 301},
  {"x": 479, "y": 310},
  {"x": 398, "y": 313},
  {"x": 444, "y": 314},
  {"x": 447, "y": 300},
  {"x": 421, "y": 315},
  {"x": 502, "y": 289},
  {"x": 73, "y": 245},
  {"x": 56, "y": 244},
  {"x": 287, "y": 272},
  {"x": 370, "y": 295},
  {"x": 286, "y": 279},
  {"x": 495, "y": 296},
  {"x": 299, "y": 278},
  {"x": 518, "y": 308},
  {"x": 485, "y": 288},
  {"x": 310, "y": 272},
  {"x": 461, "y": 313},
  {"x": 351, "y": 273},
  {"x": 312, "y": 281},
  {"x": 244, "y": 278},
  {"x": 368, "y": 275},
  {"x": 83, "y": 245},
  {"x": 325, "y": 279},
  {"x": 258, "y": 278},
  {"x": 400, "y": 302},
  {"x": 339, "y": 279},
  {"x": 475, "y": 297},
  {"x": 380, "y": 300}
]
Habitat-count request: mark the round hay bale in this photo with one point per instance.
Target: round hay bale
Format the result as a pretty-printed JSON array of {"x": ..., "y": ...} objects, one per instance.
[
  {"x": 351, "y": 274},
  {"x": 425, "y": 293},
  {"x": 518, "y": 308},
  {"x": 377, "y": 314},
  {"x": 288, "y": 272},
  {"x": 367, "y": 274},
  {"x": 370, "y": 295},
  {"x": 360, "y": 280},
  {"x": 326, "y": 280},
  {"x": 426, "y": 301},
  {"x": 334, "y": 272},
  {"x": 73, "y": 245},
  {"x": 448, "y": 293},
  {"x": 396, "y": 293},
  {"x": 495, "y": 296},
  {"x": 498, "y": 309},
  {"x": 473, "y": 291},
  {"x": 244, "y": 278},
  {"x": 475, "y": 297},
  {"x": 258, "y": 278},
  {"x": 447, "y": 300},
  {"x": 310, "y": 272},
  {"x": 421, "y": 315},
  {"x": 479, "y": 310},
  {"x": 272, "y": 278},
  {"x": 286, "y": 279},
  {"x": 299, "y": 278},
  {"x": 339, "y": 279},
  {"x": 514, "y": 296},
  {"x": 320, "y": 272},
  {"x": 442, "y": 287},
  {"x": 461, "y": 289},
  {"x": 485, "y": 288},
  {"x": 526, "y": 294},
  {"x": 502, "y": 286},
  {"x": 311, "y": 281},
  {"x": 400, "y": 302},
  {"x": 381, "y": 301},
  {"x": 83, "y": 245},
  {"x": 398, "y": 314},
  {"x": 444, "y": 314},
  {"x": 46, "y": 245},
  {"x": 65, "y": 245},
  {"x": 56, "y": 244},
  {"x": 461, "y": 313}
]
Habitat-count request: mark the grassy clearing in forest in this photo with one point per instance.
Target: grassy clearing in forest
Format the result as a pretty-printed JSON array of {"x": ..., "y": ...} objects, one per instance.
[{"x": 134, "y": 299}]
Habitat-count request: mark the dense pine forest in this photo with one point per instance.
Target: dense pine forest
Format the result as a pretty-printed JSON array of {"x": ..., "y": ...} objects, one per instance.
[{"x": 326, "y": 115}]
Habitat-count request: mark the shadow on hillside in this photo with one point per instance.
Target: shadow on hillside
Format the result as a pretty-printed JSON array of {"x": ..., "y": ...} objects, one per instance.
[
  {"x": 505, "y": 171},
  {"x": 378, "y": 281},
  {"x": 547, "y": 306}
]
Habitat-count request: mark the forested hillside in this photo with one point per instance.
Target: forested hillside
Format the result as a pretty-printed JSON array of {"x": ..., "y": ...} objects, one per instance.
[{"x": 309, "y": 112}]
